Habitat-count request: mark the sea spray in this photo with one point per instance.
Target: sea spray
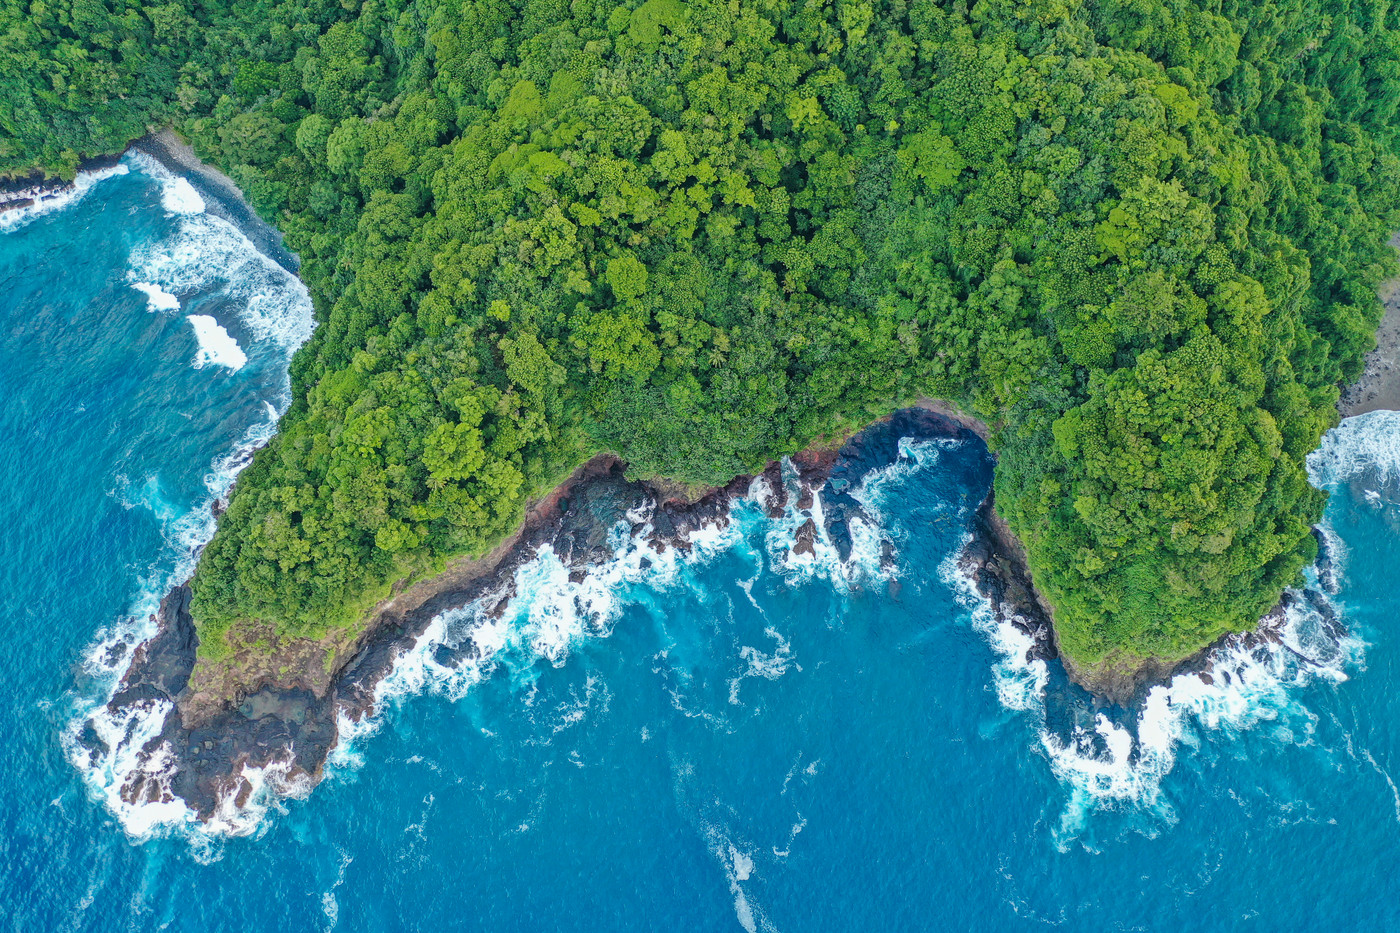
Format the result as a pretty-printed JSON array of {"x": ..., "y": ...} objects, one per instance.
[
  {"x": 204, "y": 258},
  {"x": 51, "y": 202},
  {"x": 1107, "y": 760}
]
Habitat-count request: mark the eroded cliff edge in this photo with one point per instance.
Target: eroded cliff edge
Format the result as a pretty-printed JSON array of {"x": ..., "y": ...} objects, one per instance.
[
  {"x": 281, "y": 704},
  {"x": 282, "y": 708}
]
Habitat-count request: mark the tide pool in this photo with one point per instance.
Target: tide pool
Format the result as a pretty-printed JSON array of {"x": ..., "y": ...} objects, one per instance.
[{"x": 731, "y": 740}]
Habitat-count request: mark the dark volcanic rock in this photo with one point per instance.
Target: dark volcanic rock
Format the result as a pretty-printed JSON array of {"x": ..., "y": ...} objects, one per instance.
[
  {"x": 163, "y": 664},
  {"x": 806, "y": 534},
  {"x": 272, "y": 723},
  {"x": 996, "y": 564},
  {"x": 28, "y": 190}
]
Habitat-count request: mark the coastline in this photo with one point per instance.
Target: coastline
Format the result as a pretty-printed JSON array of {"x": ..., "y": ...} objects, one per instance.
[
  {"x": 222, "y": 198},
  {"x": 221, "y": 195},
  {"x": 1378, "y": 386},
  {"x": 282, "y": 709},
  {"x": 219, "y": 731},
  {"x": 28, "y": 190}
]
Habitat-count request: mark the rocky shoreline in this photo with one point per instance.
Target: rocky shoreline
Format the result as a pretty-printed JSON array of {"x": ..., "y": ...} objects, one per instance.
[
  {"x": 219, "y": 731},
  {"x": 209, "y": 743},
  {"x": 37, "y": 187},
  {"x": 283, "y": 708},
  {"x": 1378, "y": 387}
]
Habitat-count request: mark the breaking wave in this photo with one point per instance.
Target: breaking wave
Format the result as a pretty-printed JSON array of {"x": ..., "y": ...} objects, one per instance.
[
  {"x": 1117, "y": 761},
  {"x": 157, "y": 298},
  {"x": 57, "y": 201},
  {"x": 207, "y": 255},
  {"x": 204, "y": 258},
  {"x": 216, "y": 347}
]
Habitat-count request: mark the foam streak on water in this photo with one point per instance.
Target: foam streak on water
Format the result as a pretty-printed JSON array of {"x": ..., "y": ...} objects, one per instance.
[
  {"x": 205, "y": 260},
  {"x": 82, "y": 184},
  {"x": 1108, "y": 762}
]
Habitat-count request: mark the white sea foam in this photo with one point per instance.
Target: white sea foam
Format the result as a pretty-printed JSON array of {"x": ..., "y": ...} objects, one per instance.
[
  {"x": 1018, "y": 677},
  {"x": 1106, "y": 762},
  {"x": 204, "y": 256},
  {"x": 82, "y": 184},
  {"x": 329, "y": 906},
  {"x": 1112, "y": 763},
  {"x": 177, "y": 194},
  {"x": 209, "y": 255},
  {"x": 131, "y": 753},
  {"x": 179, "y": 197},
  {"x": 862, "y": 565},
  {"x": 1245, "y": 687},
  {"x": 549, "y": 613},
  {"x": 761, "y": 664},
  {"x": 157, "y": 298},
  {"x": 739, "y": 867},
  {"x": 216, "y": 347},
  {"x": 1122, "y": 762},
  {"x": 127, "y": 748},
  {"x": 1365, "y": 446},
  {"x": 266, "y": 789},
  {"x": 546, "y": 618}
]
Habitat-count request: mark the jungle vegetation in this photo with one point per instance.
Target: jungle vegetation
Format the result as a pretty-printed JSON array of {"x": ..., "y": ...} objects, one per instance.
[{"x": 1140, "y": 238}]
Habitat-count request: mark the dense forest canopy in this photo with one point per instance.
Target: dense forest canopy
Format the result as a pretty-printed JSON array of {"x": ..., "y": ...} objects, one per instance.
[{"x": 1140, "y": 238}]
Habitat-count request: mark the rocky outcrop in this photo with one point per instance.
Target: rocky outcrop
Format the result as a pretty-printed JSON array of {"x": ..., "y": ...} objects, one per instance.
[
  {"x": 28, "y": 190},
  {"x": 995, "y": 561},
  {"x": 283, "y": 708}
]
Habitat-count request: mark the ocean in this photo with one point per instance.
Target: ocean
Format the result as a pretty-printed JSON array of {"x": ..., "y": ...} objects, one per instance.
[{"x": 732, "y": 739}]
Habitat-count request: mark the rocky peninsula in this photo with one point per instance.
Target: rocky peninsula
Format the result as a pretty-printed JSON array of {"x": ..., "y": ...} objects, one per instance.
[{"x": 281, "y": 706}]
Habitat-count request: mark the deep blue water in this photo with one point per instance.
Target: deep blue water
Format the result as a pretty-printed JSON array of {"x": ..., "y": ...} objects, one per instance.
[{"x": 726, "y": 741}]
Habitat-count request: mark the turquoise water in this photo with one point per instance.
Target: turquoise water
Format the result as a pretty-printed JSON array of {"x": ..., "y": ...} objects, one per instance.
[{"x": 732, "y": 740}]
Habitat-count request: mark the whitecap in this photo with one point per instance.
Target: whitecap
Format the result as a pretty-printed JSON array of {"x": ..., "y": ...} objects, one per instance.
[
  {"x": 216, "y": 347},
  {"x": 266, "y": 788},
  {"x": 1360, "y": 445},
  {"x": 157, "y": 298},
  {"x": 549, "y": 612},
  {"x": 48, "y": 203},
  {"x": 1019, "y": 677},
  {"x": 179, "y": 197},
  {"x": 1121, "y": 762},
  {"x": 862, "y": 565}
]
